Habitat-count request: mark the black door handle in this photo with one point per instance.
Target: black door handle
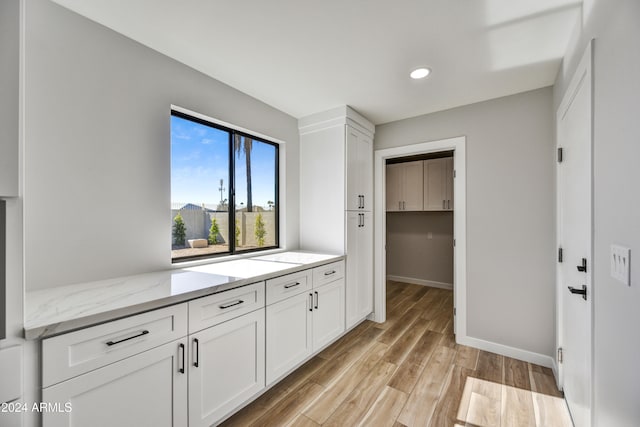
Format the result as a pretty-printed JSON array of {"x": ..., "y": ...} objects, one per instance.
[
  {"x": 583, "y": 268},
  {"x": 582, "y": 291}
]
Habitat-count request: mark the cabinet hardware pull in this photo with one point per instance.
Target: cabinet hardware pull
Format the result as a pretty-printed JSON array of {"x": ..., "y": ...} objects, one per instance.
[
  {"x": 231, "y": 304},
  {"x": 448, "y": 204},
  {"x": 317, "y": 299},
  {"x": 329, "y": 273},
  {"x": 443, "y": 205},
  {"x": 583, "y": 267},
  {"x": 291, "y": 285},
  {"x": 110, "y": 343},
  {"x": 196, "y": 362},
  {"x": 181, "y": 348},
  {"x": 582, "y": 291},
  {"x": 310, "y": 302},
  {"x": 363, "y": 201},
  {"x": 404, "y": 208},
  {"x": 399, "y": 205}
]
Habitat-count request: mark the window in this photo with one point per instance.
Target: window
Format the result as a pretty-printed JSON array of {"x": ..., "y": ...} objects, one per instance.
[{"x": 224, "y": 190}]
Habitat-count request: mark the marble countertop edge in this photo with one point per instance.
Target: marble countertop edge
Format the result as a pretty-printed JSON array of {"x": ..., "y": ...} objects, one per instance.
[{"x": 46, "y": 319}]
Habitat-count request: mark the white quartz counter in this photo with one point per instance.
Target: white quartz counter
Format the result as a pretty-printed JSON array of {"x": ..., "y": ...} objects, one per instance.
[{"x": 53, "y": 311}]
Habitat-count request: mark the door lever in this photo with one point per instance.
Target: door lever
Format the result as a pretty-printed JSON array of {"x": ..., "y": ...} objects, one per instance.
[
  {"x": 582, "y": 291},
  {"x": 583, "y": 268}
]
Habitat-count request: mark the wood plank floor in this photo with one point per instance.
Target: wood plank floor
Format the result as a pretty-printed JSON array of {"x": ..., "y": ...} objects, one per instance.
[{"x": 409, "y": 371}]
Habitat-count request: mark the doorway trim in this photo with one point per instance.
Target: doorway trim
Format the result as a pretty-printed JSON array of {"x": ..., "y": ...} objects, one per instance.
[{"x": 457, "y": 144}]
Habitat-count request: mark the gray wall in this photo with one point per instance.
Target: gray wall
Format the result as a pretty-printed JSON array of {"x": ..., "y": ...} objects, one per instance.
[
  {"x": 510, "y": 212},
  {"x": 410, "y": 251},
  {"x": 97, "y": 142},
  {"x": 615, "y": 25},
  {"x": 9, "y": 74}
]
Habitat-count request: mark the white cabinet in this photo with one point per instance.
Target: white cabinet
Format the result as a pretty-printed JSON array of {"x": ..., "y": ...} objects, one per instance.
[
  {"x": 302, "y": 324},
  {"x": 359, "y": 170},
  {"x": 226, "y": 367},
  {"x": 404, "y": 186},
  {"x": 438, "y": 184},
  {"x": 336, "y": 181},
  {"x": 148, "y": 389},
  {"x": 289, "y": 334},
  {"x": 328, "y": 313},
  {"x": 359, "y": 290}
]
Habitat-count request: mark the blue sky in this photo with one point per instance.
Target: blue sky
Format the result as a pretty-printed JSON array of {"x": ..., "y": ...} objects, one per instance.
[{"x": 200, "y": 157}]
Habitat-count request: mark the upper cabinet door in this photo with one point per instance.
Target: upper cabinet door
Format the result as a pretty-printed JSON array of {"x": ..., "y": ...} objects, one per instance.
[
  {"x": 359, "y": 170},
  {"x": 435, "y": 198},
  {"x": 393, "y": 190},
  {"x": 412, "y": 187}
]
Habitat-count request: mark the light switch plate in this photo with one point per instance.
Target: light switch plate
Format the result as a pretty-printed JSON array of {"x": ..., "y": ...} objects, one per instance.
[{"x": 620, "y": 264}]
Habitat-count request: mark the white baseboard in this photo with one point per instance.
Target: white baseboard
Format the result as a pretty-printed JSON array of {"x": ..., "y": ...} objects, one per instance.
[
  {"x": 504, "y": 350},
  {"x": 422, "y": 282}
]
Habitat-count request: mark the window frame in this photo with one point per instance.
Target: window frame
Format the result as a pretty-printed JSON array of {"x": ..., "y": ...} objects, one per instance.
[{"x": 231, "y": 191}]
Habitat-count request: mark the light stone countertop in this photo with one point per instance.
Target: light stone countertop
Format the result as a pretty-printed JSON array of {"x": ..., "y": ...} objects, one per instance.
[{"x": 62, "y": 309}]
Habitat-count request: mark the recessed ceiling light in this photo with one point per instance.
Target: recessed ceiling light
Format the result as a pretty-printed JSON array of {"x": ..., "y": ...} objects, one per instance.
[{"x": 420, "y": 73}]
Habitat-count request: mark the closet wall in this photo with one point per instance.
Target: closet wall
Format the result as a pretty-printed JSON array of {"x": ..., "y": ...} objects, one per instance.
[{"x": 420, "y": 247}]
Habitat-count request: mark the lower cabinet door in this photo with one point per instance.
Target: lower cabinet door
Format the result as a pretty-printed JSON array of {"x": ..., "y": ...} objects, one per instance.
[
  {"x": 288, "y": 334},
  {"x": 148, "y": 389},
  {"x": 328, "y": 313},
  {"x": 227, "y": 367}
]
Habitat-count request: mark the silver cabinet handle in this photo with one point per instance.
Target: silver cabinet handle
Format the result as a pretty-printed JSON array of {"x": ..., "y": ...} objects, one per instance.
[
  {"x": 310, "y": 302},
  {"x": 291, "y": 285},
  {"x": 231, "y": 304},
  {"x": 329, "y": 273},
  {"x": 363, "y": 201},
  {"x": 317, "y": 299},
  {"x": 196, "y": 361},
  {"x": 144, "y": 332}
]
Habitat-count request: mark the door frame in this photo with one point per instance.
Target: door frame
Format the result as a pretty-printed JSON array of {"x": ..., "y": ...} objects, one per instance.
[
  {"x": 457, "y": 144},
  {"x": 584, "y": 71}
]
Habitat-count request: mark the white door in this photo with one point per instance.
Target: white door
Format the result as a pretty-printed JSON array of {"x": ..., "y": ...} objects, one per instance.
[
  {"x": 365, "y": 267},
  {"x": 394, "y": 176},
  {"x": 435, "y": 185},
  {"x": 359, "y": 170},
  {"x": 226, "y": 367},
  {"x": 575, "y": 238},
  {"x": 288, "y": 334},
  {"x": 328, "y": 313},
  {"x": 412, "y": 186},
  {"x": 148, "y": 389}
]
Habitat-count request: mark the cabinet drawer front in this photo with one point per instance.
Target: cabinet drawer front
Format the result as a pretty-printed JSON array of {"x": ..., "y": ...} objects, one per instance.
[
  {"x": 287, "y": 286},
  {"x": 75, "y": 353},
  {"x": 218, "y": 308},
  {"x": 328, "y": 273}
]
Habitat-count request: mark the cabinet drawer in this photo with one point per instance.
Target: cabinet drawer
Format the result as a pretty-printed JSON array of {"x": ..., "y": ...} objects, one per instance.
[
  {"x": 75, "y": 353},
  {"x": 287, "y": 286},
  {"x": 328, "y": 273},
  {"x": 214, "y": 309}
]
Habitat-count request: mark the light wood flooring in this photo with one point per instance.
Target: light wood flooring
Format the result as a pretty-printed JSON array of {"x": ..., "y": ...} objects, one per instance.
[{"x": 409, "y": 371}]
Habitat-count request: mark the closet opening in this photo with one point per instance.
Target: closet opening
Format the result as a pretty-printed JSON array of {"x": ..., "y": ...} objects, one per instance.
[
  {"x": 419, "y": 251},
  {"x": 421, "y": 234}
]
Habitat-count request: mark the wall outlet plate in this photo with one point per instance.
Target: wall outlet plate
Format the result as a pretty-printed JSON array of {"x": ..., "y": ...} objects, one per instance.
[{"x": 620, "y": 264}]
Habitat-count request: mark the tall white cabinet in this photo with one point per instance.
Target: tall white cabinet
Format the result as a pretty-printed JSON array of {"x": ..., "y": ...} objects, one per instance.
[{"x": 336, "y": 198}]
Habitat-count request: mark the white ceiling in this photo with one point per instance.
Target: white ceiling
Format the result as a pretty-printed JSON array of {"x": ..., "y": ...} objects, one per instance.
[{"x": 304, "y": 56}]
